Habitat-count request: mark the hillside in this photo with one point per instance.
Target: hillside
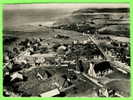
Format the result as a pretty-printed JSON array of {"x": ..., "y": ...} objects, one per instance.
[{"x": 104, "y": 20}]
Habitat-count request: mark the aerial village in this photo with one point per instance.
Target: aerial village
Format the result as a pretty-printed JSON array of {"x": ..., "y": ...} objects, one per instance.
[
  {"x": 95, "y": 66},
  {"x": 64, "y": 67}
]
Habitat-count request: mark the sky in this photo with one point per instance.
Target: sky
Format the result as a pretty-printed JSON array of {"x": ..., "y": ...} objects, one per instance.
[{"x": 65, "y": 6}]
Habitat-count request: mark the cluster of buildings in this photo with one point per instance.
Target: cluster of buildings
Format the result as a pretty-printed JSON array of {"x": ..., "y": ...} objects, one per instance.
[{"x": 79, "y": 61}]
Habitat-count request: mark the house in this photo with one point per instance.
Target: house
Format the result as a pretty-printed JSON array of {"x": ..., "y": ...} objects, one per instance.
[{"x": 50, "y": 93}]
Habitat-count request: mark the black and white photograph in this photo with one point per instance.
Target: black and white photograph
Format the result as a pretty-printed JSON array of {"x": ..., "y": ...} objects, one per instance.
[{"x": 66, "y": 50}]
